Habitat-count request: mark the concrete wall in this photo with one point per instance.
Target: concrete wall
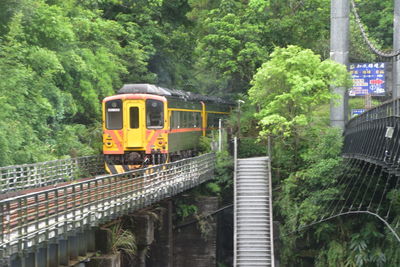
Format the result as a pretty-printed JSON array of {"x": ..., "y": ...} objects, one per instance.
[
  {"x": 160, "y": 243},
  {"x": 192, "y": 247}
]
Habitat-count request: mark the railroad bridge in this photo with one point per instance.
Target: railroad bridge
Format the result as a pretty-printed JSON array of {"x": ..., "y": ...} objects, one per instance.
[{"x": 51, "y": 219}]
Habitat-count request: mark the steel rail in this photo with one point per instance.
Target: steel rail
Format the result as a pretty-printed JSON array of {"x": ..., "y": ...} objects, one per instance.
[{"x": 31, "y": 219}]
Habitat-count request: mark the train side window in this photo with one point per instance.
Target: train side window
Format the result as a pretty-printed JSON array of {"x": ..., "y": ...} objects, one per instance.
[
  {"x": 114, "y": 114},
  {"x": 178, "y": 119},
  {"x": 174, "y": 119},
  {"x": 171, "y": 121},
  {"x": 154, "y": 114},
  {"x": 187, "y": 119},
  {"x": 192, "y": 119},
  {"x": 200, "y": 120},
  {"x": 195, "y": 120},
  {"x": 182, "y": 119},
  {"x": 134, "y": 117}
]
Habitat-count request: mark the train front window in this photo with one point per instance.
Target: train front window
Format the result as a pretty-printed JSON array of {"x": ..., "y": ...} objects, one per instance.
[
  {"x": 134, "y": 117},
  {"x": 154, "y": 114},
  {"x": 114, "y": 114}
]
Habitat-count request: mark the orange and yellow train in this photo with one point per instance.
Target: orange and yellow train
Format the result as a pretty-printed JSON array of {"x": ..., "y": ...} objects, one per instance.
[{"x": 145, "y": 124}]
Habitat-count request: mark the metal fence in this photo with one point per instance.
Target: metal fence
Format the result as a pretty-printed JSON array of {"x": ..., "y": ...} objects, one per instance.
[
  {"x": 28, "y": 220},
  {"x": 387, "y": 109},
  {"x": 20, "y": 177},
  {"x": 374, "y": 136}
]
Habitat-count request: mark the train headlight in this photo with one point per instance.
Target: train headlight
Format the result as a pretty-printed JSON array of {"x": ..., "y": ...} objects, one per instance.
[
  {"x": 108, "y": 144},
  {"x": 160, "y": 142}
]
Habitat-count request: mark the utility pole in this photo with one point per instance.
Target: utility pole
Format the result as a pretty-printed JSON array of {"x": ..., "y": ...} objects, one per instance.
[
  {"x": 396, "y": 46},
  {"x": 340, "y": 10}
]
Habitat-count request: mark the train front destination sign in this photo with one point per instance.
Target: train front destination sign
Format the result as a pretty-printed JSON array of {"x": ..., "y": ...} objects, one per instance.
[{"x": 368, "y": 79}]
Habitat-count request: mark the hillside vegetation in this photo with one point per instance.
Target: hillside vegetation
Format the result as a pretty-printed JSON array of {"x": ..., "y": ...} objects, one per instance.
[{"x": 60, "y": 58}]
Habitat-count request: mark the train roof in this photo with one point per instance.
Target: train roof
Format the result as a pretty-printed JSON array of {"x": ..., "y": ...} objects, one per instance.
[{"x": 145, "y": 88}]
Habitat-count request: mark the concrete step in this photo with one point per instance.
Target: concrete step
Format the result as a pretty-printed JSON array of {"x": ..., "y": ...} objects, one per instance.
[
  {"x": 251, "y": 238},
  {"x": 252, "y": 206},
  {"x": 249, "y": 192},
  {"x": 249, "y": 172},
  {"x": 255, "y": 218},
  {"x": 249, "y": 221},
  {"x": 253, "y": 248},
  {"x": 254, "y": 197},
  {"x": 256, "y": 225},
  {"x": 250, "y": 260}
]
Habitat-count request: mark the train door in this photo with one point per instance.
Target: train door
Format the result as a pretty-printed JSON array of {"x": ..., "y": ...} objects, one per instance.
[{"x": 136, "y": 124}]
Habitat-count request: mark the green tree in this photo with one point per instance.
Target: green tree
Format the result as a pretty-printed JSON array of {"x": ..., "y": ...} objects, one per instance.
[{"x": 288, "y": 89}]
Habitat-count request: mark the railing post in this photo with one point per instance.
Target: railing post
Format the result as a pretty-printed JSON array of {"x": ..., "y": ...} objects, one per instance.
[
  {"x": 271, "y": 220},
  {"x": 220, "y": 135},
  {"x": 234, "y": 200}
]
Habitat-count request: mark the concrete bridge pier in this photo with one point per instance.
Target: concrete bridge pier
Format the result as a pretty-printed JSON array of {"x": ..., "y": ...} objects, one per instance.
[
  {"x": 68, "y": 250},
  {"x": 144, "y": 232},
  {"x": 161, "y": 250}
]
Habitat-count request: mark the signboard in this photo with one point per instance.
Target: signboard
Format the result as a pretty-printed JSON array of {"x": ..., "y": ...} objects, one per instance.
[
  {"x": 355, "y": 112},
  {"x": 368, "y": 79}
]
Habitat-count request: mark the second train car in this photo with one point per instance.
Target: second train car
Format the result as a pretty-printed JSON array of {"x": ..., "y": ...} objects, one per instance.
[{"x": 144, "y": 124}]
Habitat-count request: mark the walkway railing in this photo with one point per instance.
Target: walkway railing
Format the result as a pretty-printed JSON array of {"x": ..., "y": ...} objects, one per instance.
[
  {"x": 26, "y": 176},
  {"x": 28, "y": 220},
  {"x": 373, "y": 136}
]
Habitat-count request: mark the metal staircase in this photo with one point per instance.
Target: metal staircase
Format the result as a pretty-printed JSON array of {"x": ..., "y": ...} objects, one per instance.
[{"x": 253, "y": 213}]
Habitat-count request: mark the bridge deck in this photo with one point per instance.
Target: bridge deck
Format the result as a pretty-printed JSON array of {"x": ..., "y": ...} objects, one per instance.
[{"x": 33, "y": 219}]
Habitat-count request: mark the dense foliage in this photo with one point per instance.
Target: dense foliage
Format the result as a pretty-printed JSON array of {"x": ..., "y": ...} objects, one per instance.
[{"x": 59, "y": 58}]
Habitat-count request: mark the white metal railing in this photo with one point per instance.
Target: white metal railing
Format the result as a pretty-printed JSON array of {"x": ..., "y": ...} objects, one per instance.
[
  {"x": 28, "y": 220},
  {"x": 235, "y": 158},
  {"x": 26, "y": 176}
]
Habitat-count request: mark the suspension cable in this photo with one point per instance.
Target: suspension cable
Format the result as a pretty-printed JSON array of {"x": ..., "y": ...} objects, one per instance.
[
  {"x": 348, "y": 213},
  {"x": 350, "y": 165},
  {"x": 366, "y": 39},
  {"x": 359, "y": 176},
  {"x": 367, "y": 190},
  {"x": 359, "y": 187},
  {"x": 376, "y": 188},
  {"x": 389, "y": 176},
  {"x": 392, "y": 200}
]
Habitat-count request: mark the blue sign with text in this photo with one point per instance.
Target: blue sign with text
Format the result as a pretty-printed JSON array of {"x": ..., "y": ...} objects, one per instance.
[
  {"x": 368, "y": 79},
  {"x": 355, "y": 112}
]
